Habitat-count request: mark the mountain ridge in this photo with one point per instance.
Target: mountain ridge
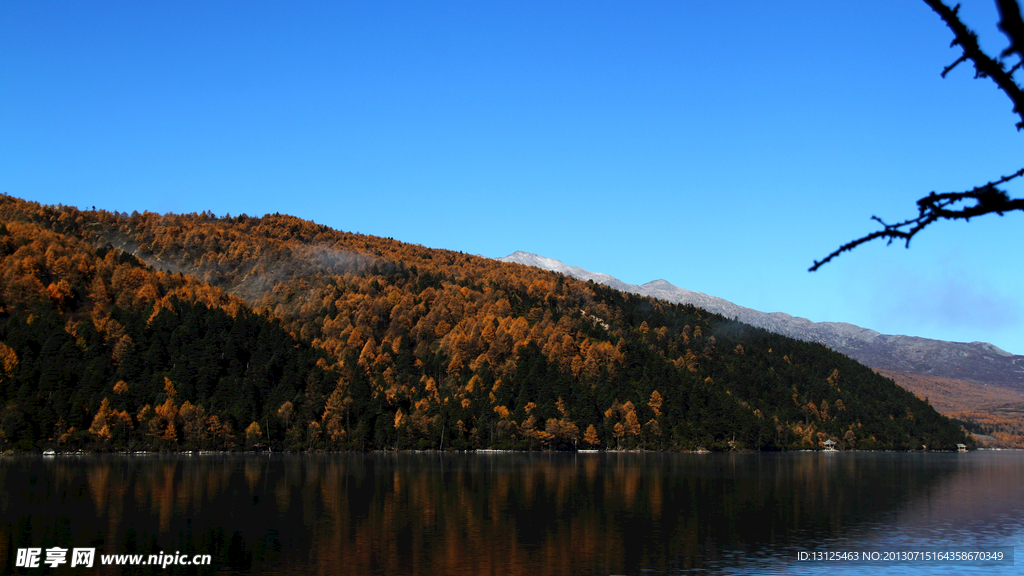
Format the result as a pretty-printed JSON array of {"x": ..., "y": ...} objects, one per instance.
[
  {"x": 979, "y": 362},
  {"x": 272, "y": 331}
]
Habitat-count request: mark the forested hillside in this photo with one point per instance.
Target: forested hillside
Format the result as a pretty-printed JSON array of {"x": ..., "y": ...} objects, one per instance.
[
  {"x": 193, "y": 331},
  {"x": 995, "y": 415}
]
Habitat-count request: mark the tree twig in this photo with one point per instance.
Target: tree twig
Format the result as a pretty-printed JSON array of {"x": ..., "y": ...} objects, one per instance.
[
  {"x": 984, "y": 65},
  {"x": 989, "y": 199}
]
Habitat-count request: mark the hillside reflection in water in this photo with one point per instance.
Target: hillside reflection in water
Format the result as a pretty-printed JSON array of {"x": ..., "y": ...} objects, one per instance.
[{"x": 536, "y": 514}]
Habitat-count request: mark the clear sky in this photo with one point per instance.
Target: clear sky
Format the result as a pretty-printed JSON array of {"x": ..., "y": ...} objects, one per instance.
[{"x": 722, "y": 146}]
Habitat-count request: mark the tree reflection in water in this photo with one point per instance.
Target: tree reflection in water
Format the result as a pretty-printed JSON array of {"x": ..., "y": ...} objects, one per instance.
[{"x": 496, "y": 513}]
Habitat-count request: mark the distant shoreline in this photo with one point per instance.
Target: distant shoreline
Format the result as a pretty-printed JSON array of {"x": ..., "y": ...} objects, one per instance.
[{"x": 483, "y": 451}]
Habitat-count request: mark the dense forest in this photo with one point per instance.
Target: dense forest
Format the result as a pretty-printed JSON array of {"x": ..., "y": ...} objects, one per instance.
[
  {"x": 993, "y": 414},
  {"x": 183, "y": 332}
]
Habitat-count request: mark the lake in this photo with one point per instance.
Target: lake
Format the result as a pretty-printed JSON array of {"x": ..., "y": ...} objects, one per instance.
[{"x": 516, "y": 513}]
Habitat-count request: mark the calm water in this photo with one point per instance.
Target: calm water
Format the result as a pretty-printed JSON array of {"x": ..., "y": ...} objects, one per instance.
[{"x": 506, "y": 513}]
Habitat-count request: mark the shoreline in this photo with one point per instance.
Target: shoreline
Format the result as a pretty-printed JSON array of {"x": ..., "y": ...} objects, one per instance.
[{"x": 482, "y": 451}]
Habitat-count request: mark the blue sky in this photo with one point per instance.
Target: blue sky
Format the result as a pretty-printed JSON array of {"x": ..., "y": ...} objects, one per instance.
[{"x": 722, "y": 146}]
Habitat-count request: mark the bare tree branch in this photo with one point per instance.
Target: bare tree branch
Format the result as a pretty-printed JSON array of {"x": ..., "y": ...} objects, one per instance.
[
  {"x": 949, "y": 68},
  {"x": 984, "y": 65},
  {"x": 1011, "y": 23},
  {"x": 988, "y": 198}
]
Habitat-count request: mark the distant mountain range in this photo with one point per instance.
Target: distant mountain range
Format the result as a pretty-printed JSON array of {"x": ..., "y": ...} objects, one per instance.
[{"x": 974, "y": 361}]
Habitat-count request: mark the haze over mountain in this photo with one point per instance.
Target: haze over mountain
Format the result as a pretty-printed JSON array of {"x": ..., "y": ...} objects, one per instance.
[{"x": 975, "y": 361}]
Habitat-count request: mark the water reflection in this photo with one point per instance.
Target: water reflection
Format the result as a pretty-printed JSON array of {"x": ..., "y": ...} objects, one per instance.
[{"x": 428, "y": 513}]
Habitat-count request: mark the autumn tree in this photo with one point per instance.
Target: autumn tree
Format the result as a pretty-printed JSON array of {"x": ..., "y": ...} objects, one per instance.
[
  {"x": 194, "y": 423},
  {"x": 530, "y": 432},
  {"x": 166, "y": 419},
  {"x": 655, "y": 403},
  {"x": 8, "y": 360},
  {"x": 628, "y": 425},
  {"x": 334, "y": 415},
  {"x": 313, "y": 433},
  {"x": 286, "y": 412},
  {"x": 109, "y": 423},
  {"x": 253, "y": 435}
]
